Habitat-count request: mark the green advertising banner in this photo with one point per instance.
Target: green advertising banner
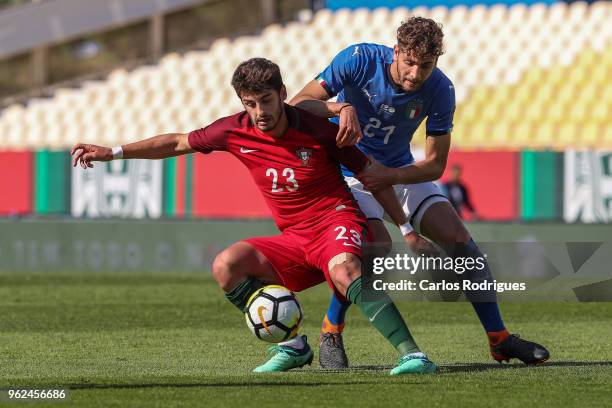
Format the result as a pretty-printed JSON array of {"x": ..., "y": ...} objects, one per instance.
[
  {"x": 541, "y": 185},
  {"x": 52, "y": 182}
]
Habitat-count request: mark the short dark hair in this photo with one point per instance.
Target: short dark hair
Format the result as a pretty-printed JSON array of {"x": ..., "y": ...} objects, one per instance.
[
  {"x": 255, "y": 76},
  {"x": 421, "y": 36}
]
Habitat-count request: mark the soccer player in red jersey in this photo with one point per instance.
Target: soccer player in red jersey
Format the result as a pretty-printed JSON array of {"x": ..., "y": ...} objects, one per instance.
[{"x": 293, "y": 158}]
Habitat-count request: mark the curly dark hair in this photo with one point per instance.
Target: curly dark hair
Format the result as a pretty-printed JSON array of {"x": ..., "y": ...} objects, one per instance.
[
  {"x": 421, "y": 36},
  {"x": 255, "y": 76}
]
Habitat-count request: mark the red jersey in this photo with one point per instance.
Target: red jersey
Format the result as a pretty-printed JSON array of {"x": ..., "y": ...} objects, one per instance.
[{"x": 297, "y": 173}]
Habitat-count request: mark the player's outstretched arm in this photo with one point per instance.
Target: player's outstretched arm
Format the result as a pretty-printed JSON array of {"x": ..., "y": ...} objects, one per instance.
[
  {"x": 157, "y": 147},
  {"x": 386, "y": 196},
  {"x": 432, "y": 167},
  {"x": 429, "y": 169},
  {"x": 388, "y": 200},
  {"x": 314, "y": 99},
  {"x": 359, "y": 164}
]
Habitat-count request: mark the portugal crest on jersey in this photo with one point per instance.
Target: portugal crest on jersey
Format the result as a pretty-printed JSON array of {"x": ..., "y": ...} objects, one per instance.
[
  {"x": 414, "y": 109},
  {"x": 304, "y": 154}
]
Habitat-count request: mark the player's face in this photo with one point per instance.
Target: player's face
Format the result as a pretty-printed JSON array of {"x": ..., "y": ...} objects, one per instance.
[
  {"x": 265, "y": 109},
  {"x": 411, "y": 71}
]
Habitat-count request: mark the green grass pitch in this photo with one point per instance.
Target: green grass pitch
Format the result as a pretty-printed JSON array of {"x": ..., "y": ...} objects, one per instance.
[{"x": 164, "y": 340}]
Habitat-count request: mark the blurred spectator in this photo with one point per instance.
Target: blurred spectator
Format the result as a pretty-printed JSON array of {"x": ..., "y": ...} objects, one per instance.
[{"x": 457, "y": 193}]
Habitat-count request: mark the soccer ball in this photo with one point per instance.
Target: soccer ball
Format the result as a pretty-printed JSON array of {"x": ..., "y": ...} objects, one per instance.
[{"x": 273, "y": 314}]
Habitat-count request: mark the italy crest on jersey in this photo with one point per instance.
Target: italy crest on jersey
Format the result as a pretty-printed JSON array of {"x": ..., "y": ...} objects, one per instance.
[
  {"x": 304, "y": 154},
  {"x": 414, "y": 109}
]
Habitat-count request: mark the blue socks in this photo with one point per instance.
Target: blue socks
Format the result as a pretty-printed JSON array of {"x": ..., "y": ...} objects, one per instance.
[
  {"x": 484, "y": 303},
  {"x": 334, "y": 318}
]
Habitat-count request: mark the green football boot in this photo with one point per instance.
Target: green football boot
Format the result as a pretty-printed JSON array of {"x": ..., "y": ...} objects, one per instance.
[
  {"x": 285, "y": 358},
  {"x": 414, "y": 363}
]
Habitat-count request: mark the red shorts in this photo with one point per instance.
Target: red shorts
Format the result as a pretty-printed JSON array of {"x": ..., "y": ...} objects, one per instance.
[{"x": 300, "y": 258}]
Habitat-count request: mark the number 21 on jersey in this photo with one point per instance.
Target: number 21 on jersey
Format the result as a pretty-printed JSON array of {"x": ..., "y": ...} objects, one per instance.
[{"x": 375, "y": 124}]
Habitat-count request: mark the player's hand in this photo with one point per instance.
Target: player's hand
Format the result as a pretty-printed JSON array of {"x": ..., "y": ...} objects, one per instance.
[
  {"x": 350, "y": 130},
  {"x": 85, "y": 154},
  {"x": 376, "y": 176},
  {"x": 420, "y": 246}
]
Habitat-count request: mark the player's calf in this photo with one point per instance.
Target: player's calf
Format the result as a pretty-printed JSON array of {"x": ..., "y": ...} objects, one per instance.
[
  {"x": 227, "y": 270},
  {"x": 240, "y": 270},
  {"x": 383, "y": 314},
  {"x": 385, "y": 317}
]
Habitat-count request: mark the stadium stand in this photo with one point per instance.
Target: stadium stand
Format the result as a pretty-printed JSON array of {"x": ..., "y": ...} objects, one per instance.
[
  {"x": 526, "y": 77},
  {"x": 354, "y": 4}
]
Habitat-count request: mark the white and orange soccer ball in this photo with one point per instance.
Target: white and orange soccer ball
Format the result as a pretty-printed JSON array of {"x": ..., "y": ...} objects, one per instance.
[{"x": 273, "y": 314}]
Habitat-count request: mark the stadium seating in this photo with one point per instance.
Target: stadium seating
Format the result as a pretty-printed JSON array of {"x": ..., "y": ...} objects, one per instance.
[
  {"x": 525, "y": 77},
  {"x": 353, "y": 4}
]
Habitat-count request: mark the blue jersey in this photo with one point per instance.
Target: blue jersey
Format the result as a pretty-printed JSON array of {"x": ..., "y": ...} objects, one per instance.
[{"x": 388, "y": 116}]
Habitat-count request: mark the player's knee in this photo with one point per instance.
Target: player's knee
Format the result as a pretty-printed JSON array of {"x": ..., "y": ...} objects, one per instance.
[
  {"x": 227, "y": 270},
  {"x": 220, "y": 270},
  {"x": 453, "y": 234},
  {"x": 344, "y": 271},
  {"x": 442, "y": 224}
]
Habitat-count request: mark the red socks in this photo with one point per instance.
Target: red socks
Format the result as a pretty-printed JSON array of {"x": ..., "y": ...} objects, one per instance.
[
  {"x": 331, "y": 328},
  {"x": 497, "y": 337}
]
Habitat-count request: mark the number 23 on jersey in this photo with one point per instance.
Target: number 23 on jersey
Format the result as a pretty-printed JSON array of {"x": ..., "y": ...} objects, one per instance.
[{"x": 291, "y": 183}]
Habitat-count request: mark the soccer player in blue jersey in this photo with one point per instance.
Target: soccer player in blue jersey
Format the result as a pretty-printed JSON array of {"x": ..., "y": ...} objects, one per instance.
[{"x": 383, "y": 95}]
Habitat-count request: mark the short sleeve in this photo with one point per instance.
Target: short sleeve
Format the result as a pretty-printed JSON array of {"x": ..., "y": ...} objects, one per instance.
[
  {"x": 440, "y": 118},
  {"x": 210, "y": 138},
  {"x": 343, "y": 70}
]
